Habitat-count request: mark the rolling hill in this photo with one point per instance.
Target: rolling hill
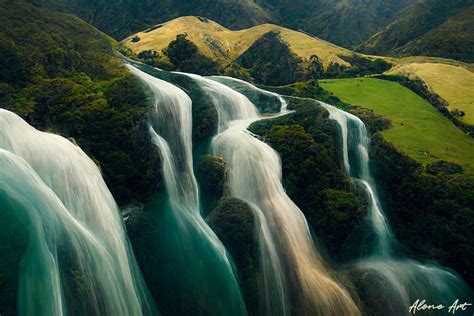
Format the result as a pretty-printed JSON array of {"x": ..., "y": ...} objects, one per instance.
[
  {"x": 434, "y": 28},
  {"x": 225, "y": 46}
]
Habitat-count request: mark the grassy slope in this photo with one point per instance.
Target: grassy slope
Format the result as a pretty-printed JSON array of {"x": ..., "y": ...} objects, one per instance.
[
  {"x": 428, "y": 27},
  {"x": 452, "y": 39},
  {"x": 224, "y": 45},
  {"x": 417, "y": 128},
  {"x": 453, "y": 83}
]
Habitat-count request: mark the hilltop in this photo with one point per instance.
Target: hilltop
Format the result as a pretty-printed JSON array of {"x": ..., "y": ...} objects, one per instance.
[{"x": 225, "y": 46}]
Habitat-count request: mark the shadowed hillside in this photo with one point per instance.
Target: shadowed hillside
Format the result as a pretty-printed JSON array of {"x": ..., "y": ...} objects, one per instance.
[{"x": 434, "y": 28}]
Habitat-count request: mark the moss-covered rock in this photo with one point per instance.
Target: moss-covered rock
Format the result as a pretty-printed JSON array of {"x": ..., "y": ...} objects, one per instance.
[{"x": 213, "y": 177}]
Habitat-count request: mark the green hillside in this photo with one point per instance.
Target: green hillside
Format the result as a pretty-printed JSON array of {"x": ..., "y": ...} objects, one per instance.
[
  {"x": 417, "y": 128},
  {"x": 268, "y": 54},
  {"x": 351, "y": 22},
  {"x": 428, "y": 27},
  {"x": 344, "y": 22},
  {"x": 453, "y": 39},
  {"x": 60, "y": 75},
  {"x": 453, "y": 82}
]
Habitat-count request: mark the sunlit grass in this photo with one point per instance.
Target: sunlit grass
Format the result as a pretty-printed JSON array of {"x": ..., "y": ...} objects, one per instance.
[
  {"x": 452, "y": 82},
  {"x": 224, "y": 45},
  {"x": 417, "y": 129}
]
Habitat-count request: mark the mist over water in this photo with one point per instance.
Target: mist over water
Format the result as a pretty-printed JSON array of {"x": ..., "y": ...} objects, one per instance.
[
  {"x": 77, "y": 258},
  {"x": 392, "y": 283}
]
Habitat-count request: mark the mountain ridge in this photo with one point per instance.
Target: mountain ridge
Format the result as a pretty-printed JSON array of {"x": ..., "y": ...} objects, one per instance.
[{"x": 344, "y": 22}]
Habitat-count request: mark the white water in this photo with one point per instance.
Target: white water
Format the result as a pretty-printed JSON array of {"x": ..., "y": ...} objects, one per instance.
[
  {"x": 355, "y": 139},
  {"x": 171, "y": 130},
  {"x": 392, "y": 281},
  {"x": 73, "y": 225},
  {"x": 238, "y": 82},
  {"x": 294, "y": 274}
]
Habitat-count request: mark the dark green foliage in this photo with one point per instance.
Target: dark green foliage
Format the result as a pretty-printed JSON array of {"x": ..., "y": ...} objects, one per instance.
[
  {"x": 184, "y": 56},
  {"x": 213, "y": 176},
  {"x": 312, "y": 175},
  {"x": 236, "y": 71},
  {"x": 372, "y": 121},
  {"x": 453, "y": 39},
  {"x": 334, "y": 70},
  {"x": 360, "y": 66},
  {"x": 308, "y": 89},
  {"x": 432, "y": 215},
  {"x": 315, "y": 68},
  {"x": 180, "y": 49},
  {"x": 344, "y": 22},
  {"x": 233, "y": 222},
  {"x": 270, "y": 61},
  {"x": 343, "y": 214},
  {"x": 12, "y": 68},
  {"x": 428, "y": 27},
  {"x": 443, "y": 168},
  {"x": 76, "y": 88},
  {"x": 152, "y": 58}
]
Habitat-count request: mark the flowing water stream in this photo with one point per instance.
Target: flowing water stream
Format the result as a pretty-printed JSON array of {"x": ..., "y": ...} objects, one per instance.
[
  {"x": 295, "y": 277},
  {"x": 77, "y": 257},
  {"x": 200, "y": 267},
  {"x": 393, "y": 282}
]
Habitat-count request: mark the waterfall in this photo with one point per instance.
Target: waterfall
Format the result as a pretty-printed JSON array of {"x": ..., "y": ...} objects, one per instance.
[
  {"x": 77, "y": 258},
  {"x": 295, "y": 278},
  {"x": 207, "y": 275},
  {"x": 402, "y": 281},
  {"x": 249, "y": 89},
  {"x": 355, "y": 140}
]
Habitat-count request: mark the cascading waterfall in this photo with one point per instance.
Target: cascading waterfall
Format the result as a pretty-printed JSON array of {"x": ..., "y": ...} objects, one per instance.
[
  {"x": 355, "y": 141},
  {"x": 245, "y": 88},
  {"x": 402, "y": 281},
  {"x": 77, "y": 258},
  {"x": 199, "y": 260},
  {"x": 295, "y": 277}
]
